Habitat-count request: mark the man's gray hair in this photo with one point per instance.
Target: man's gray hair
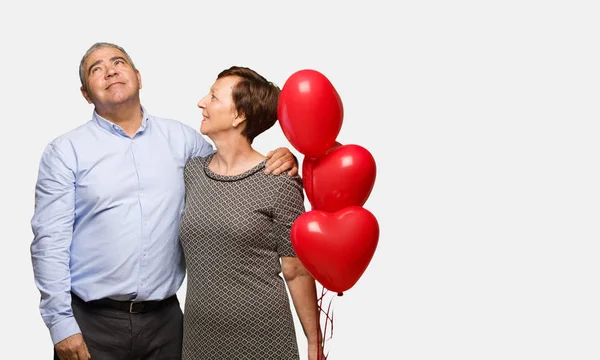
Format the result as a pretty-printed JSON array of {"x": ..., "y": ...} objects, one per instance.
[{"x": 96, "y": 46}]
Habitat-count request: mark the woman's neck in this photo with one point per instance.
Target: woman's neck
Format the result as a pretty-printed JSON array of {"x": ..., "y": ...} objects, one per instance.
[{"x": 234, "y": 156}]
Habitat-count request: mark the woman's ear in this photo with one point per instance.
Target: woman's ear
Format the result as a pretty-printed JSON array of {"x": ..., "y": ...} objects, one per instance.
[{"x": 239, "y": 118}]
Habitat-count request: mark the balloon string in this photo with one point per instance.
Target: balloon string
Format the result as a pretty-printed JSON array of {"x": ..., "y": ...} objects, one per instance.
[{"x": 328, "y": 324}]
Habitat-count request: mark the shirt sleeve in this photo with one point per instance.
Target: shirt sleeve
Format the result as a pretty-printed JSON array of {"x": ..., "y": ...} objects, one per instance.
[
  {"x": 287, "y": 208},
  {"x": 197, "y": 144},
  {"x": 52, "y": 226}
]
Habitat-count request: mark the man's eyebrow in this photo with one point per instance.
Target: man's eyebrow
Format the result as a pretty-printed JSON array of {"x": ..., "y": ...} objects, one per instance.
[
  {"x": 112, "y": 59},
  {"x": 94, "y": 64},
  {"x": 117, "y": 58}
]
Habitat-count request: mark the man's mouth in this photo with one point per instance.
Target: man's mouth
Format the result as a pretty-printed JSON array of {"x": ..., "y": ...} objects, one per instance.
[{"x": 115, "y": 83}]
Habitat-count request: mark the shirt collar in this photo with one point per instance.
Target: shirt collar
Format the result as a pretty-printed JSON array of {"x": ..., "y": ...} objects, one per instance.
[{"x": 116, "y": 129}]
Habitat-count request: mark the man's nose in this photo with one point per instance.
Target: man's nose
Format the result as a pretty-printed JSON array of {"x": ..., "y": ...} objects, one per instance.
[{"x": 111, "y": 71}]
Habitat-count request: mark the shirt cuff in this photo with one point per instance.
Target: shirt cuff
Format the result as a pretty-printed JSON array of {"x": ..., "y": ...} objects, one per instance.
[{"x": 63, "y": 329}]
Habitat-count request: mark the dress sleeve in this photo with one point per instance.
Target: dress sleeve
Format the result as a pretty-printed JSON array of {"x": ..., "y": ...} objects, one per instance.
[{"x": 288, "y": 206}]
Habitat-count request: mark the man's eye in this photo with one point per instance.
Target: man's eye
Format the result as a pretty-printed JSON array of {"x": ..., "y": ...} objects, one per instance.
[
  {"x": 119, "y": 62},
  {"x": 212, "y": 97},
  {"x": 95, "y": 69}
]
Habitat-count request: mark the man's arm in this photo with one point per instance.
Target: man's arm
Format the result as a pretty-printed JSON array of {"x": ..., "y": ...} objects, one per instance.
[
  {"x": 198, "y": 145},
  {"x": 280, "y": 160},
  {"x": 52, "y": 226}
]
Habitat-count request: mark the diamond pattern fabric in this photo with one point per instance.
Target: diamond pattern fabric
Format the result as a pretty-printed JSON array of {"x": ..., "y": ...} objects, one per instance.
[{"x": 234, "y": 230}]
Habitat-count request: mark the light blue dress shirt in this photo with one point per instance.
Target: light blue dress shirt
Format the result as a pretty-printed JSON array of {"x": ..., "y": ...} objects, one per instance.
[{"x": 107, "y": 213}]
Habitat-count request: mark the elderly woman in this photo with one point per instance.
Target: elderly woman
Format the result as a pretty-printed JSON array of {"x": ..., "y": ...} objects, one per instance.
[{"x": 235, "y": 234}]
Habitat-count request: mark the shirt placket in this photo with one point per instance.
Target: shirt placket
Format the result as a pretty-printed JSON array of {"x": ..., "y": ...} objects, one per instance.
[{"x": 145, "y": 218}]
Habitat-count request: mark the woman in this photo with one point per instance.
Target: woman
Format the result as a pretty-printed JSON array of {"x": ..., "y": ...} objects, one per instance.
[{"x": 236, "y": 229}]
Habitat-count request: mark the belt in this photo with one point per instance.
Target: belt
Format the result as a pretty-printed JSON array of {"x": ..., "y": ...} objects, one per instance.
[{"x": 132, "y": 307}]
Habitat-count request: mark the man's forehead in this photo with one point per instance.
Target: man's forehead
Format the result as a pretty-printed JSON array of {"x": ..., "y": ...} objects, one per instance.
[{"x": 104, "y": 52}]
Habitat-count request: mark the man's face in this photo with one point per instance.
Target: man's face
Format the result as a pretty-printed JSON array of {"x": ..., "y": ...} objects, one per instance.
[{"x": 110, "y": 78}]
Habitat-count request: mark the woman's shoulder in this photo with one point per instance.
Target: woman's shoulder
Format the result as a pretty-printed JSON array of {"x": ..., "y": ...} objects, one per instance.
[
  {"x": 194, "y": 166},
  {"x": 285, "y": 181}
]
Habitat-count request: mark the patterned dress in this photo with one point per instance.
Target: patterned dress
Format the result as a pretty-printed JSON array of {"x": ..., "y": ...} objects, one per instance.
[{"x": 234, "y": 231}]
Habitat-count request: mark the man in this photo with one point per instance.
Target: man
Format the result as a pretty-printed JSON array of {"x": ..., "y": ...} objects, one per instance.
[{"x": 109, "y": 197}]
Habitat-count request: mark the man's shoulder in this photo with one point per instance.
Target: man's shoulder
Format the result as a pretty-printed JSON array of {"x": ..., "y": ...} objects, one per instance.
[
  {"x": 180, "y": 135},
  {"x": 163, "y": 120},
  {"x": 169, "y": 123},
  {"x": 71, "y": 137}
]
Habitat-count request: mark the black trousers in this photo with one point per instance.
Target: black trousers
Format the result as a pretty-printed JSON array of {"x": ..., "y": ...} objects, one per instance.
[{"x": 116, "y": 335}]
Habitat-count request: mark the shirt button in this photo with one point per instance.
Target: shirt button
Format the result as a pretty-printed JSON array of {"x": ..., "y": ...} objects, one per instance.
[
  {"x": 142, "y": 195},
  {"x": 145, "y": 222}
]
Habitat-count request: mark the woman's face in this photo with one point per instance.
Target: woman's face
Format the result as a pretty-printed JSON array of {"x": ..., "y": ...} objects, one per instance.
[{"x": 218, "y": 109}]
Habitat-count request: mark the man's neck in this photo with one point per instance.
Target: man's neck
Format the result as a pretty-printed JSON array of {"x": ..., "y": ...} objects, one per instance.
[{"x": 127, "y": 116}]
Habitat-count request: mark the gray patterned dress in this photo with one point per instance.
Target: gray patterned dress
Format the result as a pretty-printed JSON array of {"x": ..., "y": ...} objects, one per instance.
[{"x": 234, "y": 231}]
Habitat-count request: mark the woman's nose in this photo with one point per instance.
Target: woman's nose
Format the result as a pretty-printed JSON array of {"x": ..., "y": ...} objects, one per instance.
[{"x": 201, "y": 103}]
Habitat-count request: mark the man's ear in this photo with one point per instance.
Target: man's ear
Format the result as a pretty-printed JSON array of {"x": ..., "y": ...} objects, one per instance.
[
  {"x": 85, "y": 95},
  {"x": 139, "y": 77}
]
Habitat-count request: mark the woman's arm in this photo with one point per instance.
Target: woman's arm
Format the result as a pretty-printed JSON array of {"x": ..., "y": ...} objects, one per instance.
[{"x": 304, "y": 296}]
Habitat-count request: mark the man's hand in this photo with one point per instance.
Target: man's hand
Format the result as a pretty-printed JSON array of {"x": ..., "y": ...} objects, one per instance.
[
  {"x": 280, "y": 160},
  {"x": 72, "y": 348}
]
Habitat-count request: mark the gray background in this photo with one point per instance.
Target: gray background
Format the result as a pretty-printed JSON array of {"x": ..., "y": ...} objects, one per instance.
[{"x": 482, "y": 117}]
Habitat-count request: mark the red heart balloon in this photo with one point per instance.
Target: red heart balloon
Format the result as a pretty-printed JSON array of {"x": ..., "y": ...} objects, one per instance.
[
  {"x": 307, "y": 167},
  {"x": 336, "y": 248},
  {"x": 310, "y": 112},
  {"x": 343, "y": 177}
]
